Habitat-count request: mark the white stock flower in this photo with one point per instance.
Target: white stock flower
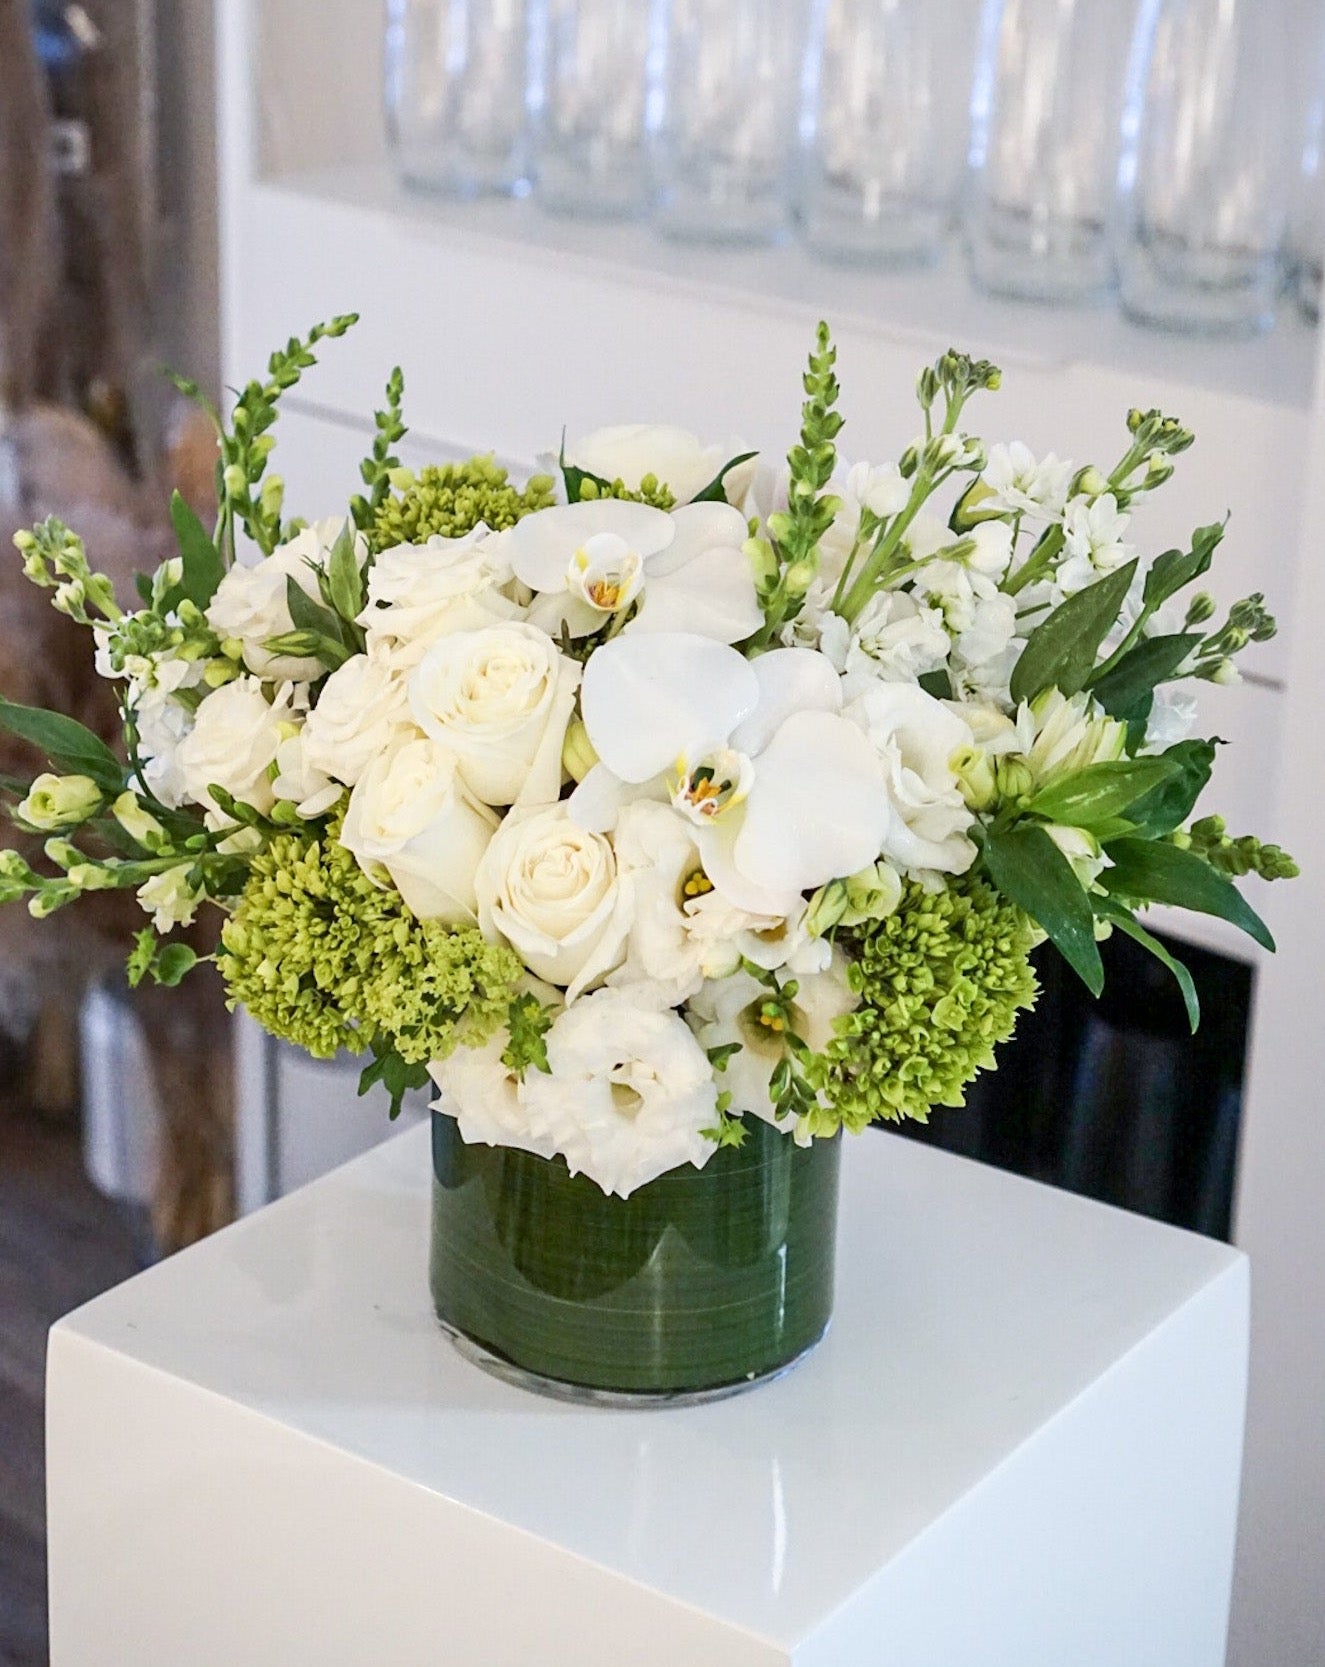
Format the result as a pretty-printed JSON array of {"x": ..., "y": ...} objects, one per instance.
[
  {"x": 1172, "y": 718},
  {"x": 1021, "y": 484},
  {"x": 683, "y": 571},
  {"x": 170, "y": 899},
  {"x": 1093, "y": 542},
  {"x": 484, "y": 1096},
  {"x": 300, "y": 781},
  {"x": 552, "y": 891},
  {"x": 879, "y": 488},
  {"x": 894, "y": 638},
  {"x": 411, "y": 815},
  {"x": 629, "y": 1095},
  {"x": 500, "y": 699},
  {"x": 251, "y": 605},
  {"x": 915, "y": 737},
  {"x": 362, "y": 709},
  {"x": 162, "y": 723},
  {"x": 678, "y": 459},
  {"x": 782, "y": 793},
  {"x": 420, "y": 592},
  {"x": 979, "y": 618},
  {"x": 233, "y": 744}
]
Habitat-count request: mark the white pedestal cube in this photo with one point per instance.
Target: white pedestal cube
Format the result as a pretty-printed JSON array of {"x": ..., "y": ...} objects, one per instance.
[{"x": 1019, "y": 1446}]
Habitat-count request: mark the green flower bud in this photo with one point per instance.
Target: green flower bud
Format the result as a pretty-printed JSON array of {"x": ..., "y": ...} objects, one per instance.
[
  {"x": 800, "y": 576},
  {"x": 1089, "y": 482},
  {"x": 577, "y": 753},
  {"x": 1200, "y": 608},
  {"x": 138, "y": 822},
  {"x": 968, "y": 512},
  {"x": 872, "y": 894},
  {"x": 234, "y": 480},
  {"x": 220, "y": 672},
  {"x": 272, "y": 497},
  {"x": 60, "y": 802},
  {"x": 1013, "y": 778},
  {"x": 977, "y": 780},
  {"x": 763, "y": 561},
  {"x": 826, "y": 908}
]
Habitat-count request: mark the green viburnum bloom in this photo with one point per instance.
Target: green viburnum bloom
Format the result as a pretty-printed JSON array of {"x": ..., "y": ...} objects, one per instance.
[
  {"x": 940, "y": 981},
  {"x": 451, "y": 499},
  {"x": 323, "y": 958}
]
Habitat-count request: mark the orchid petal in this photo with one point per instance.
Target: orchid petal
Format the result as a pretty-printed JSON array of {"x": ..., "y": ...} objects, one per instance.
[
  {"x": 713, "y": 595},
  {"x": 551, "y": 609},
  {"x": 597, "y": 801},
  {"x": 717, "y": 843},
  {"x": 819, "y": 806},
  {"x": 650, "y": 696},
  {"x": 699, "y": 529},
  {"x": 790, "y": 680},
  {"x": 541, "y": 545}
]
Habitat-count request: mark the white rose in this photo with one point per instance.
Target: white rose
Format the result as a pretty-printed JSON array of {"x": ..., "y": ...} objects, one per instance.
[
  {"x": 553, "y": 892},
  {"x": 233, "y": 744},
  {"x": 629, "y": 451},
  {"x": 362, "y": 709},
  {"x": 916, "y": 736},
  {"x": 629, "y": 1095},
  {"x": 501, "y": 699},
  {"x": 410, "y": 814},
  {"x": 420, "y": 592},
  {"x": 251, "y": 603}
]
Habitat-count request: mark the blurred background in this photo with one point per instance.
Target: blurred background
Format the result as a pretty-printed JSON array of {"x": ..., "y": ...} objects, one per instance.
[{"x": 562, "y": 213}]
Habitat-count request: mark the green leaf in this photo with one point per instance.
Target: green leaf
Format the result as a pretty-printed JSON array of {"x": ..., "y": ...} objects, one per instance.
[
  {"x": 68, "y": 744},
  {"x": 143, "y": 585},
  {"x": 308, "y": 615},
  {"x": 938, "y": 684},
  {"x": 1100, "y": 792},
  {"x": 1151, "y": 871},
  {"x": 1121, "y": 689},
  {"x": 1169, "y": 805},
  {"x": 1107, "y": 909},
  {"x": 715, "y": 492},
  {"x": 1030, "y": 871},
  {"x": 344, "y": 578},
  {"x": 395, "y": 1074},
  {"x": 1176, "y": 569},
  {"x": 173, "y": 963},
  {"x": 203, "y": 567},
  {"x": 1061, "y": 652}
]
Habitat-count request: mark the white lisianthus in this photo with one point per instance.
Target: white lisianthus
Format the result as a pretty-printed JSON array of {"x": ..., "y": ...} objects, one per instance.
[
  {"x": 1070, "y": 734},
  {"x": 362, "y": 710},
  {"x": 233, "y": 744},
  {"x": 420, "y": 592},
  {"x": 162, "y": 723},
  {"x": 500, "y": 699},
  {"x": 727, "y": 1011},
  {"x": 170, "y": 899},
  {"x": 57, "y": 802},
  {"x": 485, "y": 1097},
  {"x": 411, "y": 815},
  {"x": 590, "y": 563},
  {"x": 894, "y": 638},
  {"x": 782, "y": 792},
  {"x": 299, "y": 780},
  {"x": 553, "y": 892},
  {"x": 251, "y": 603},
  {"x": 676, "y": 458},
  {"x": 1093, "y": 542},
  {"x": 1022, "y": 484},
  {"x": 916, "y": 737},
  {"x": 629, "y": 1095}
]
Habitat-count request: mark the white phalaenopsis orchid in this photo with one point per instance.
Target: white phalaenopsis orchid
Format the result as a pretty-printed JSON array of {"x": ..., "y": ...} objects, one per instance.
[
  {"x": 592, "y": 562},
  {"x": 782, "y": 792}
]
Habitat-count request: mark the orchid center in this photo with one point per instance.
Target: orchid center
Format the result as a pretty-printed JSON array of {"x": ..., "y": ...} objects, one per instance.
[
  {"x": 606, "y": 573},
  {"x": 708, "y": 787}
]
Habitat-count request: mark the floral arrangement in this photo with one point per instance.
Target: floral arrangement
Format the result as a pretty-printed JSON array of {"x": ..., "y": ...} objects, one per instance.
[{"x": 666, "y": 790}]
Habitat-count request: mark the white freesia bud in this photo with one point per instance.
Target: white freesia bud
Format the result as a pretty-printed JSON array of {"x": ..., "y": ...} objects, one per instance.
[
  {"x": 411, "y": 815},
  {"x": 138, "y": 822},
  {"x": 553, "y": 892},
  {"x": 500, "y": 699},
  {"x": 170, "y": 899},
  {"x": 55, "y": 802}
]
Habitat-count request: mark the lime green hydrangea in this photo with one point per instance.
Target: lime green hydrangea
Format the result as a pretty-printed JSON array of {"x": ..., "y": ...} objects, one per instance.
[
  {"x": 451, "y": 499},
  {"x": 323, "y": 958},
  {"x": 940, "y": 982},
  {"x": 650, "y": 491}
]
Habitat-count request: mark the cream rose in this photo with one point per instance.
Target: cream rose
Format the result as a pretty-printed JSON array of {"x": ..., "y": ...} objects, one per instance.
[
  {"x": 233, "y": 744},
  {"x": 362, "y": 709},
  {"x": 251, "y": 603},
  {"x": 553, "y": 892},
  {"x": 420, "y": 592},
  {"x": 410, "y": 814},
  {"x": 501, "y": 699}
]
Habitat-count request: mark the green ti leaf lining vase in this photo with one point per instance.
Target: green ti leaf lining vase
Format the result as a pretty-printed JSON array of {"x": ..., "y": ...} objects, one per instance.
[{"x": 700, "y": 1284}]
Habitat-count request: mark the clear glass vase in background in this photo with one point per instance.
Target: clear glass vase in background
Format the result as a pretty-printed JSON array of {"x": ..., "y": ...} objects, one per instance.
[
  {"x": 591, "y": 153},
  {"x": 1046, "y": 116},
  {"x": 456, "y": 79},
  {"x": 887, "y": 114},
  {"x": 1306, "y": 226},
  {"x": 729, "y": 133},
  {"x": 1208, "y": 169}
]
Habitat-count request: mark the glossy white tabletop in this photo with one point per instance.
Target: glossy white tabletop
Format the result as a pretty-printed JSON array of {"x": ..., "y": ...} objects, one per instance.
[{"x": 972, "y": 1306}]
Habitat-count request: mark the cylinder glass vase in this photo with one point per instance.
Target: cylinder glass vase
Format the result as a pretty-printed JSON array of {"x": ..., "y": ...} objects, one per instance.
[{"x": 699, "y": 1284}]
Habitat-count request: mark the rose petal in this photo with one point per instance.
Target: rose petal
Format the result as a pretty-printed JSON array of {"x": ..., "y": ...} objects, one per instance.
[
  {"x": 818, "y": 809},
  {"x": 713, "y": 595},
  {"x": 540, "y": 546},
  {"x": 698, "y": 529},
  {"x": 650, "y": 696},
  {"x": 790, "y": 680}
]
